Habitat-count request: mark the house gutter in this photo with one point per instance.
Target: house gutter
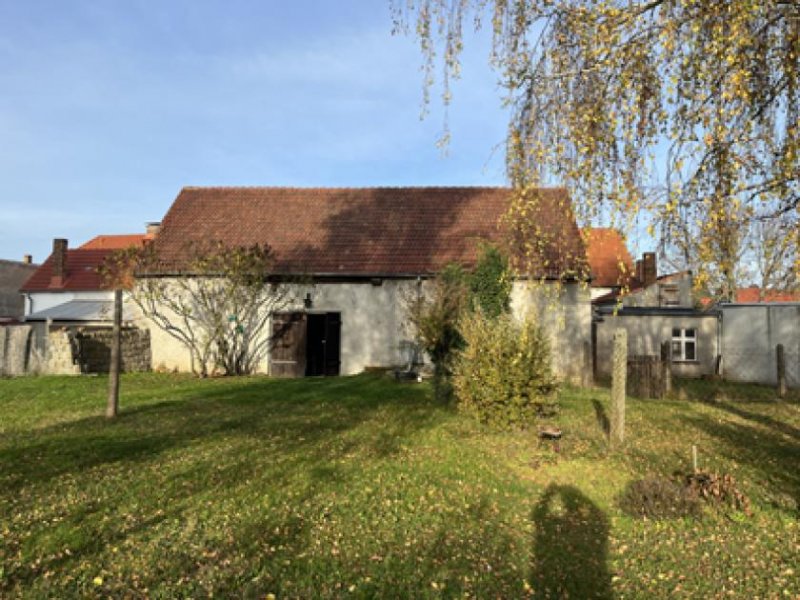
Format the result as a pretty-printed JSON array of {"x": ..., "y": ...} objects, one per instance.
[{"x": 365, "y": 276}]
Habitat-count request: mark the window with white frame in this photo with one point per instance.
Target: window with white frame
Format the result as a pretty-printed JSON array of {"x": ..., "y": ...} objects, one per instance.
[{"x": 684, "y": 344}]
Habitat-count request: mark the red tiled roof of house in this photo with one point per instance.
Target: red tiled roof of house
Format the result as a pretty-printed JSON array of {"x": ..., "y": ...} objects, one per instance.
[
  {"x": 362, "y": 231},
  {"x": 752, "y": 294},
  {"x": 115, "y": 242},
  {"x": 610, "y": 263},
  {"x": 81, "y": 273}
]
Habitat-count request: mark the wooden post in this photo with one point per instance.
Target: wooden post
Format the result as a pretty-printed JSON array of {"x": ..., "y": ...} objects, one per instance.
[
  {"x": 666, "y": 364},
  {"x": 619, "y": 375},
  {"x": 781, "y": 360},
  {"x": 116, "y": 355}
]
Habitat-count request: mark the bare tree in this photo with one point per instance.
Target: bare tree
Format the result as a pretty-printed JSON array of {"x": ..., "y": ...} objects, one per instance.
[{"x": 218, "y": 306}]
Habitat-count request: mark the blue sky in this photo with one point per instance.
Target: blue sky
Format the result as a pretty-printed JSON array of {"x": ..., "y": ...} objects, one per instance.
[{"x": 108, "y": 108}]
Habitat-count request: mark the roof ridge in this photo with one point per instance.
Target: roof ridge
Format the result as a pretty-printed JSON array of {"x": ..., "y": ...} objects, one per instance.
[{"x": 361, "y": 188}]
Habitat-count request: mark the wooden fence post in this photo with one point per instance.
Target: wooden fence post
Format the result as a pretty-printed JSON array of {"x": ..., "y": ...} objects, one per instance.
[
  {"x": 619, "y": 375},
  {"x": 781, "y": 360},
  {"x": 112, "y": 407},
  {"x": 666, "y": 364}
]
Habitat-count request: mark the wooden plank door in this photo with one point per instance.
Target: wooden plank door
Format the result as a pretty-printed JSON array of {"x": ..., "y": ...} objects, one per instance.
[{"x": 288, "y": 355}]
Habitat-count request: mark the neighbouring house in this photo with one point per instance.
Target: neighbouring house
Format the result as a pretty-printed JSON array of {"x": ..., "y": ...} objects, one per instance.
[
  {"x": 12, "y": 275},
  {"x": 68, "y": 313},
  {"x": 68, "y": 287},
  {"x": 610, "y": 263},
  {"x": 364, "y": 252},
  {"x": 656, "y": 309}
]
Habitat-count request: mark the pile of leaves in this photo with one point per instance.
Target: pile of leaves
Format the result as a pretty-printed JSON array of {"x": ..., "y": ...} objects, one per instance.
[
  {"x": 660, "y": 497},
  {"x": 717, "y": 489}
]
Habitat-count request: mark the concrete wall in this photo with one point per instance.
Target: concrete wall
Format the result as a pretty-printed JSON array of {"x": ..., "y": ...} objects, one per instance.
[
  {"x": 750, "y": 334},
  {"x": 45, "y": 300},
  {"x": 647, "y": 332},
  {"x": 375, "y": 328}
]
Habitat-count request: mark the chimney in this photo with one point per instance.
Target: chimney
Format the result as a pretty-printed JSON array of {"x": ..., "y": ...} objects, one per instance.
[
  {"x": 649, "y": 269},
  {"x": 59, "y": 263},
  {"x": 27, "y": 259},
  {"x": 639, "y": 270},
  {"x": 152, "y": 228}
]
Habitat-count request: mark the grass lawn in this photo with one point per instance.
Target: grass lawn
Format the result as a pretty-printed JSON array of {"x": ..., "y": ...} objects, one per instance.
[{"x": 362, "y": 487}]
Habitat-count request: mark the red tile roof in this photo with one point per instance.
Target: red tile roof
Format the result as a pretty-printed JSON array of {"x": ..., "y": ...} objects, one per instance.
[
  {"x": 115, "y": 242},
  {"x": 361, "y": 231},
  {"x": 610, "y": 263},
  {"x": 81, "y": 273},
  {"x": 751, "y": 295}
]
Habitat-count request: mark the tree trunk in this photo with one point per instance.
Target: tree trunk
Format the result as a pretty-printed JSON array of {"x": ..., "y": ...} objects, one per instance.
[{"x": 116, "y": 355}]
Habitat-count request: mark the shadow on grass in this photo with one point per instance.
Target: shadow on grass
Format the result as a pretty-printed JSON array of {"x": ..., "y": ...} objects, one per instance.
[
  {"x": 296, "y": 413},
  {"x": 767, "y": 453},
  {"x": 236, "y": 440},
  {"x": 571, "y": 546},
  {"x": 602, "y": 417},
  {"x": 767, "y": 421}
]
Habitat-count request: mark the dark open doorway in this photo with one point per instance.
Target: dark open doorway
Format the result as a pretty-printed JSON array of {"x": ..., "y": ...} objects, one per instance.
[{"x": 323, "y": 341}]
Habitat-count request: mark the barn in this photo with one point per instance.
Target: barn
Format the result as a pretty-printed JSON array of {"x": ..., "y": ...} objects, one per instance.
[{"x": 358, "y": 254}]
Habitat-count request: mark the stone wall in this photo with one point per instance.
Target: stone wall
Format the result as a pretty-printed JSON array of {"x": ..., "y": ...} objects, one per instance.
[
  {"x": 94, "y": 350},
  {"x": 61, "y": 354},
  {"x": 31, "y": 349}
]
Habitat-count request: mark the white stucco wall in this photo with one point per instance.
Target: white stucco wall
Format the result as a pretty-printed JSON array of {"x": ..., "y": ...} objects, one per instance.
[
  {"x": 750, "y": 334},
  {"x": 647, "y": 332},
  {"x": 564, "y": 311},
  {"x": 374, "y": 324},
  {"x": 45, "y": 300}
]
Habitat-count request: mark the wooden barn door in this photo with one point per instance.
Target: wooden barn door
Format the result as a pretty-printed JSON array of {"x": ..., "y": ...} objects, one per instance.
[{"x": 288, "y": 356}]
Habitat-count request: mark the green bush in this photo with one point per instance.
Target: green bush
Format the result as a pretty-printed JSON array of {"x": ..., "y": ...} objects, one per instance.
[
  {"x": 434, "y": 317},
  {"x": 490, "y": 282},
  {"x": 502, "y": 374}
]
